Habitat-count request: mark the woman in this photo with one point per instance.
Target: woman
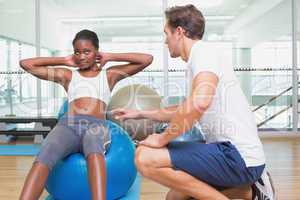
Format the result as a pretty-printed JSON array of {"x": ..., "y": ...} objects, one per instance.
[{"x": 83, "y": 128}]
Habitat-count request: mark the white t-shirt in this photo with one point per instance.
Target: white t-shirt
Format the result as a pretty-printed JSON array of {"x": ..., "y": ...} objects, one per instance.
[{"x": 229, "y": 117}]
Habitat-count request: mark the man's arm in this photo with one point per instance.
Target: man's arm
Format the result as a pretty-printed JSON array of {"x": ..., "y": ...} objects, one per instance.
[
  {"x": 160, "y": 115},
  {"x": 203, "y": 91}
]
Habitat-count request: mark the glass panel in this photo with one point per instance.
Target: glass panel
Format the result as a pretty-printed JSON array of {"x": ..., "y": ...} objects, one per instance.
[
  {"x": 257, "y": 46},
  {"x": 50, "y": 103},
  {"x": 298, "y": 54},
  {"x": 28, "y": 89},
  {"x": 17, "y": 90},
  {"x": 129, "y": 27}
]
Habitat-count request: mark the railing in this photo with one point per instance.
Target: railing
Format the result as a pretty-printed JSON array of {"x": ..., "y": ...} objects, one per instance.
[
  {"x": 272, "y": 100},
  {"x": 272, "y": 110},
  {"x": 273, "y": 116}
]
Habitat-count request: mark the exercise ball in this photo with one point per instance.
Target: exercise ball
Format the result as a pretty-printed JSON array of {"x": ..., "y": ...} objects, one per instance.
[
  {"x": 63, "y": 109},
  {"x": 192, "y": 135},
  {"x": 69, "y": 178},
  {"x": 139, "y": 97}
]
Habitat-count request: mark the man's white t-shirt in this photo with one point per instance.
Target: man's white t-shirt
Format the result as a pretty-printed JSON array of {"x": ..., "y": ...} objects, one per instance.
[{"x": 229, "y": 117}]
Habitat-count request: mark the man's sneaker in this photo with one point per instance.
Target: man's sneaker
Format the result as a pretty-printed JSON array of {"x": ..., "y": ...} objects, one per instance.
[{"x": 263, "y": 188}]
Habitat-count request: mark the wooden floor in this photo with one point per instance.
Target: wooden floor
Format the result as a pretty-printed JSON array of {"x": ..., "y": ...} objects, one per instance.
[{"x": 283, "y": 160}]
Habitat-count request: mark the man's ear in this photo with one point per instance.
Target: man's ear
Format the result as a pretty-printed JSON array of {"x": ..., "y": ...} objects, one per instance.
[{"x": 180, "y": 31}]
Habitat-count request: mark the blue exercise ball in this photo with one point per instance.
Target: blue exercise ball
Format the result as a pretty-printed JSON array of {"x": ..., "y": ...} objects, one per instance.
[
  {"x": 63, "y": 109},
  {"x": 69, "y": 178},
  {"x": 192, "y": 135}
]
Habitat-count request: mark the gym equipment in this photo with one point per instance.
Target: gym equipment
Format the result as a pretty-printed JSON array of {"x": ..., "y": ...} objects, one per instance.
[
  {"x": 192, "y": 135},
  {"x": 139, "y": 97},
  {"x": 69, "y": 178},
  {"x": 9, "y": 129}
]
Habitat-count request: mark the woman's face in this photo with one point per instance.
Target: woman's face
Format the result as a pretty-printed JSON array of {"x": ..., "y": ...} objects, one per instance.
[{"x": 85, "y": 53}]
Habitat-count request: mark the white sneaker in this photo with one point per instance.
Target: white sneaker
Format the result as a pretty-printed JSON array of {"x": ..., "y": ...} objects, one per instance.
[{"x": 263, "y": 188}]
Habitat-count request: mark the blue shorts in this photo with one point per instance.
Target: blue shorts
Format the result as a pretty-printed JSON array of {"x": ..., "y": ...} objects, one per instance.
[{"x": 218, "y": 164}]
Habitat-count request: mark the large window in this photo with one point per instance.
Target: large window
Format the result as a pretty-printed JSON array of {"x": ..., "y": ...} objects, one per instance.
[
  {"x": 273, "y": 52},
  {"x": 17, "y": 30},
  {"x": 134, "y": 27},
  {"x": 258, "y": 47},
  {"x": 298, "y": 52},
  {"x": 255, "y": 38}
]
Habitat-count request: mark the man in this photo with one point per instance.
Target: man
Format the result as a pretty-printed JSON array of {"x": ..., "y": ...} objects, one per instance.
[{"x": 231, "y": 164}]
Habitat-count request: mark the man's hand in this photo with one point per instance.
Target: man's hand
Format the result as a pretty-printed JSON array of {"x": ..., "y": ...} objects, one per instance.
[
  {"x": 155, "y": 141},
  {"x": 124, "y": 114}
]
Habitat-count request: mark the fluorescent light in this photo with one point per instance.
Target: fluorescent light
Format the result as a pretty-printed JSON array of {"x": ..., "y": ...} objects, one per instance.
[{"x": 137, "y": 18}]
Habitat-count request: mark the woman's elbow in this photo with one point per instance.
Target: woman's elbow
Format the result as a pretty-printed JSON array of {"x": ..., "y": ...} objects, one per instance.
[
  {"x": 23, "y": 64},
  {"x": 148, "y": 59}
]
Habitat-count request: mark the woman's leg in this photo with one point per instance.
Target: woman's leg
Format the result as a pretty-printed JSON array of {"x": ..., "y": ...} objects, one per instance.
[
  {"x": 60, "y": 142},
  {"x": 97, "y": 175},
  {"x": 94, "y": 145},
  {"x": 35, "y": 182}
]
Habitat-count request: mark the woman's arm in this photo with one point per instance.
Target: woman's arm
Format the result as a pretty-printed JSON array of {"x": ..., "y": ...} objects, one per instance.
[
  {"x": 40, "y": 67},
  {"x": 136, "y": 63}
]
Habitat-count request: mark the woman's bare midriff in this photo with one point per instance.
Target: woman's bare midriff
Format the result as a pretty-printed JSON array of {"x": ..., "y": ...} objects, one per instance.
[{"x": 88, "y": 106}]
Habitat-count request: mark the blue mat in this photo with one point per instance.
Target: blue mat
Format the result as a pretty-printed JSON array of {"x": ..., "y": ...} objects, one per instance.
[
  {"x": 19, "y": 150},
  {"x": 133, "y": 193}
]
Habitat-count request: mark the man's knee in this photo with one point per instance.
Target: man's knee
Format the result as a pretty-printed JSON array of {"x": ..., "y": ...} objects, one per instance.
[
  {"x": 144, "y": 160},
  {"x": 149, "y": 159}
]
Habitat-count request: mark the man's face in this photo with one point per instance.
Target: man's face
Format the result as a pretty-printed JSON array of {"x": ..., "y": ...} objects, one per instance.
[{"x": 172, "y": 40}]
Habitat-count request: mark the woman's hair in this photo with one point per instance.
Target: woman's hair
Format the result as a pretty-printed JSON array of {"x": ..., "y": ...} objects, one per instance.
[
  {"x": 87, "y": 35},
  {"x": 189, "y": 18}
]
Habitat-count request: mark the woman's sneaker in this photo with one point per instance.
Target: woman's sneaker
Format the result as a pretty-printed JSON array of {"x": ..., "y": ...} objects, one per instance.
[{"x": 263, "y": 188}]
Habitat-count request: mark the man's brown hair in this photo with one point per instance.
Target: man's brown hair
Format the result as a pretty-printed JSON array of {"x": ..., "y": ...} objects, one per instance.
[{"x": 189, "y": 18}]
